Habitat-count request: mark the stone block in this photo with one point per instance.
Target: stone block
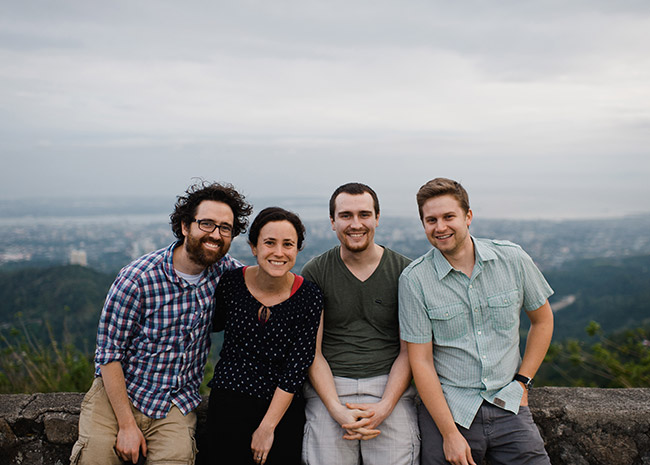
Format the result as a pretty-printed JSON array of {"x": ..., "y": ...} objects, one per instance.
[{"x": 580, "y": 426}]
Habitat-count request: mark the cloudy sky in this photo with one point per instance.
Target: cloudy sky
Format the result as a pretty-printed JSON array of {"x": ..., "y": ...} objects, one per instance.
[{"x": 541, "y": 109}]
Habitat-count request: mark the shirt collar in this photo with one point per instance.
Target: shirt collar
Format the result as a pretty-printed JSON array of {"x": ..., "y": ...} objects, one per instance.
[
  {"x": 482, "y": 253},
  {"x": 168, "y": 262},
  {"x": 442, "y": 266}
]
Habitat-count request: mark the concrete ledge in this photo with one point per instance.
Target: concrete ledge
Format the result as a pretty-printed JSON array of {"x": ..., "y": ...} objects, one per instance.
[
  {"x": 581, "y": 426},
  {"x": 594, "y": 426}
]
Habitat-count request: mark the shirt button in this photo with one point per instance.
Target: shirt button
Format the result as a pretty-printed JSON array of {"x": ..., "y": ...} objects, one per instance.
[
  {"x": 470, "y": 286},
  {"x": 485, "y": 380},
  {"x": 479, "y": 332},
  {"x": 484, "y": 357}
]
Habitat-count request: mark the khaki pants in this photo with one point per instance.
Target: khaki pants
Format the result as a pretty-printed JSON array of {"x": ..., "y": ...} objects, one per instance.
[{"x": 170, "y": 440}]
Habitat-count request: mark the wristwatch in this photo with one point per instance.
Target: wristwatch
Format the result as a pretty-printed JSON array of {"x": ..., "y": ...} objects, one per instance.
[{"x": 528, "y": 382}]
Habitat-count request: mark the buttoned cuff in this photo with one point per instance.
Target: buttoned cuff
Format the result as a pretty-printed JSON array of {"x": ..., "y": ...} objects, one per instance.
[{"x": 104, "y": 356}]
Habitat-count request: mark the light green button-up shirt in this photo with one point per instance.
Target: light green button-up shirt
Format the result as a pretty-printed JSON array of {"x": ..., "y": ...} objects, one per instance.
[{"x": 473, "y": 322}]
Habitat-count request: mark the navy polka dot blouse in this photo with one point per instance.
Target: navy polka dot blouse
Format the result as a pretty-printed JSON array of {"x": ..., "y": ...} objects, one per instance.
[{"x": 259, "y": 356}]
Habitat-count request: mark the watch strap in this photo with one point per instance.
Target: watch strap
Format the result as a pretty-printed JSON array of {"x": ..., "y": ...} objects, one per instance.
[{"x": 528, "y": 382}]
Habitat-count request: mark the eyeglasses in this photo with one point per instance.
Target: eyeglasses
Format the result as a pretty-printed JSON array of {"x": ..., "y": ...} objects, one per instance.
[{"x": 209, "y": 226}]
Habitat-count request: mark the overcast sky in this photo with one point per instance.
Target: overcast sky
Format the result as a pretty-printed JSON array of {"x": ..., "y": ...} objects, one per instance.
[{"x": 541, "y": 109}]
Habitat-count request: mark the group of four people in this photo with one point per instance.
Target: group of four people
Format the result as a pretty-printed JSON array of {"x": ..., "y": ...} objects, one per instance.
[{"x": 367, "y": 357}]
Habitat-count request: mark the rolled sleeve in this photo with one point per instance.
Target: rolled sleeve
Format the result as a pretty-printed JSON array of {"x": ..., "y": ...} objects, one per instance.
[
  {"x": 536, "y": 289},
  {"x": 117, "y": 321}
]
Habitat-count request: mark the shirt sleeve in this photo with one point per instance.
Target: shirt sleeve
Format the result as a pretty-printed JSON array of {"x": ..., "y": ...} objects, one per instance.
[
  {"x": 309, "y": 271},
  {"x": 229, "y": 263},
  {"x": 414, "y": 322},
  {"x": 303, "y": 342},
  {"x": 535, "y": 287},
  {"x": 117, "y": 320}
]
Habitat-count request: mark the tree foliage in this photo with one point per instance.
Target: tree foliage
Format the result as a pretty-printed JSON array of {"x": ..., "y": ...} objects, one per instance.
[
  {"x": 28, "y": 365},
  {"x": 72, "y": 294},
  {"x": 621, "y": 360}
]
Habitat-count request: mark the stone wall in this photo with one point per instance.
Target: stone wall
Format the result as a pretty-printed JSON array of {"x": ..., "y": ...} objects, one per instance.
[{"x": 581, "y": 426}]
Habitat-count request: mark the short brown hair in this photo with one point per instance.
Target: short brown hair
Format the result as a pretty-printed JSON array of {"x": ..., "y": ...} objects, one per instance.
[
  {"x": 353, "y": 188},
  {"x": 442, "y": 186}
]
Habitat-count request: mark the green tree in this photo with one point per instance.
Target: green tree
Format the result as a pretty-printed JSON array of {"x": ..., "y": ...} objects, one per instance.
[
  {"x": 29, "y": 366},
  {"x": 620, "y": 360}
]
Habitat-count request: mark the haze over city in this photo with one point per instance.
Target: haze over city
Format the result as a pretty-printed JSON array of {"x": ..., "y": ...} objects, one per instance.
[{"x": 541, "y": 109}]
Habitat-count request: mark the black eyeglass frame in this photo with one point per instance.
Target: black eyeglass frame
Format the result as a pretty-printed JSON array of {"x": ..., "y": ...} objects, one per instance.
[{"x": 209, "y": 226}]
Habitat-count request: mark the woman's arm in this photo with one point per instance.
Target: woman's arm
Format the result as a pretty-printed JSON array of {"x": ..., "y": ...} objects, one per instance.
[{"x": 264, "y": 434}]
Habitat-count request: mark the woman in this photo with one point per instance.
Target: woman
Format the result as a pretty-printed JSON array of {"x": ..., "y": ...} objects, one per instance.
[{"x": 270, "y": 317}]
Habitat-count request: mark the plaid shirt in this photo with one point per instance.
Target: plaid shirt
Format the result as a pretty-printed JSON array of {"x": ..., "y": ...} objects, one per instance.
[{"x": 157, "y": 325}]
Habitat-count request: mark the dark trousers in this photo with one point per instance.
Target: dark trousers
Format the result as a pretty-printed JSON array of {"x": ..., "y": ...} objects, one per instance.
[
  {"x": 496, "y": 434},
  {"x": 233, "y": 418}
]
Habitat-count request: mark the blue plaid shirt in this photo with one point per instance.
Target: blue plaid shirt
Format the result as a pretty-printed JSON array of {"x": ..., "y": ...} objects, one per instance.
[{"x": 157, "y": 325}]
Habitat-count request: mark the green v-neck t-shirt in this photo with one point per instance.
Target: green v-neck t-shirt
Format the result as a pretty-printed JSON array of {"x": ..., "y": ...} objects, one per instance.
[{"x": 361, "y": 322}]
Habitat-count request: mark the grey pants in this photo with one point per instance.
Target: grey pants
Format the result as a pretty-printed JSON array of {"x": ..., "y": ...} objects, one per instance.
[
  {"x": 496, "y": 434},
  {"x": 398, "y": 443}
]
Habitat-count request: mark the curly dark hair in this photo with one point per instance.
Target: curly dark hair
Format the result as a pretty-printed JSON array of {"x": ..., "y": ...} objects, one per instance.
[
  {"x": 186, "y": 205},
  {"x": 271, "y": 214}
]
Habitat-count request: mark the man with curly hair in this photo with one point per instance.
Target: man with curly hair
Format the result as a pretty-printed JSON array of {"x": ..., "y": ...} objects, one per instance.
[{"x": 153, "y": 338}]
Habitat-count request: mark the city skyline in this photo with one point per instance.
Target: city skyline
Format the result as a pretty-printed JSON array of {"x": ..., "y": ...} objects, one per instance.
[{"x": 541, "y": 110}]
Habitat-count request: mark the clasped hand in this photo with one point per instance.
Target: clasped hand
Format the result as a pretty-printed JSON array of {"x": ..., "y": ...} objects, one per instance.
[{"x": 361, "y": 421}]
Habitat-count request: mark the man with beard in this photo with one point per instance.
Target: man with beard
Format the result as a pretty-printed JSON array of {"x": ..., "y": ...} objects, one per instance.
[
  {"x": 359, "y": 402},
  {"x": 153, "y": 338}
]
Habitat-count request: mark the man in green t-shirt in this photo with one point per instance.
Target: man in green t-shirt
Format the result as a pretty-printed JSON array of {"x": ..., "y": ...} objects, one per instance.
[{"x": 360, "y": 401}]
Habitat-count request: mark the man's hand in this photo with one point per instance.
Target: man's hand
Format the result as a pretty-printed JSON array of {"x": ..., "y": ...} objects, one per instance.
[
  {"x": 524, "y": 398},
  {"x": 367, "y": 427},
  {"x": 361, "y": 434},
  {"x": 355, "y": 421},
  {"x": 381, "y": 410},
  {"x": 457, "y": 451},
  {"x": 129, "y": 444}
]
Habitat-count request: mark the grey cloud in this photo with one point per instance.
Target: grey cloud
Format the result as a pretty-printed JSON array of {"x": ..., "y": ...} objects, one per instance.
[{"x": 141, "y": 96}]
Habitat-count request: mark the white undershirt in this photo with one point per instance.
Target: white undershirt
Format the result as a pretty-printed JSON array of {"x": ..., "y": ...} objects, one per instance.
[{"x": 190, "y": 278}]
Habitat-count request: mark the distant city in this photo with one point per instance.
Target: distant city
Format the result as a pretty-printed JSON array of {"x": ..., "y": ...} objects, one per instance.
[{"x": 107, "y": 235}]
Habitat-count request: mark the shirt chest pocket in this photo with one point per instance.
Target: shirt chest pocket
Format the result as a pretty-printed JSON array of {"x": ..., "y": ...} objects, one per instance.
[
  {"x": 504, "y": 309},
  {"x": 448, "y": 322}
]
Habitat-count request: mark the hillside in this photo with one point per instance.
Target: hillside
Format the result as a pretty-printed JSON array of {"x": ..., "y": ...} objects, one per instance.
[
  {"x": 614, "y": 292},
  {"x": 69, "y": 298}
]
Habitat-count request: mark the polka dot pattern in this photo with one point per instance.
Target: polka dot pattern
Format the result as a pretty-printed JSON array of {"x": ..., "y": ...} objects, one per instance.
[{"x": 258, "y": 357}]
